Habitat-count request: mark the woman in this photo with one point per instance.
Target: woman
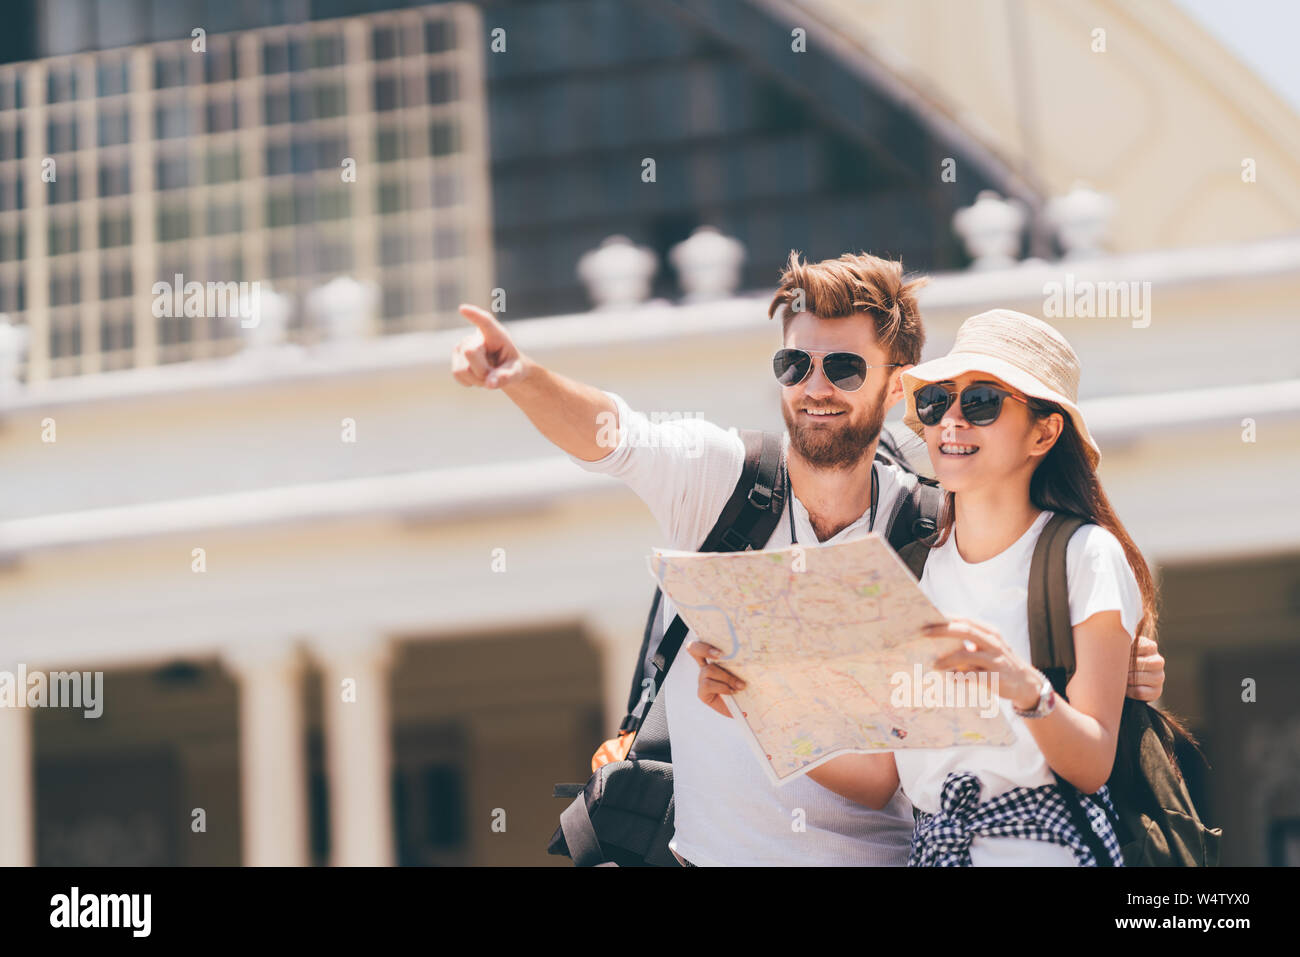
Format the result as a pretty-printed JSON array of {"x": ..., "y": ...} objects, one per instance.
[{"x": 1008, "y": 443}]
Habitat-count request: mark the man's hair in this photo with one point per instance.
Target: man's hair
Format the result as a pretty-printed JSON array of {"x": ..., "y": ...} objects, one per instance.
[{"x": 834, "y": 288}]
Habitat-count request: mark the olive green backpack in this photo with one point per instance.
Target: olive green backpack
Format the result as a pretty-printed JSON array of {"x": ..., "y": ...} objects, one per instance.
[{"x": 1157, "y": 823}]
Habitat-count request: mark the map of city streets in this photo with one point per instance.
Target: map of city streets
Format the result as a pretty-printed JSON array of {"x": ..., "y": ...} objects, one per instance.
[{"x": 827, "y": 640}]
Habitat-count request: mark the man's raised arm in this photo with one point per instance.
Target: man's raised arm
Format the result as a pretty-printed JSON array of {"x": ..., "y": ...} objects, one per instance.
[{"x": 566, "y": 412}]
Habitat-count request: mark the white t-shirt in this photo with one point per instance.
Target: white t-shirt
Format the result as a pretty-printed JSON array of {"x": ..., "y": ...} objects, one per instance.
[
  {"x": 996, "y": 592},
  {"x": 727, "y": 812}
]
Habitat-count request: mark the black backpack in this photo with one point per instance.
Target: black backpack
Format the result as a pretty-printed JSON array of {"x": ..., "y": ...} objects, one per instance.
[
  {"x": 624, "y": 814},
  {"x": 1157, "y": 823}
]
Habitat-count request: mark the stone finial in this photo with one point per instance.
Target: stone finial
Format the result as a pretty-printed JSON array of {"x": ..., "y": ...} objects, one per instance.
[
  {"x": 708, "y": 264},
  {"x": 265, "y": 321},
  {"x": 618, "y": 273},
  {"x": 13, "y": 346},
  {"x": 344, "y": 308},
  {"x": 990, "y": 230},
  {"x": 1081, "y": 219}
]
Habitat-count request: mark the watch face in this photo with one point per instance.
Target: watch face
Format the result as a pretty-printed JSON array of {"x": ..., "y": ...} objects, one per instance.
[{"x": 1048, "y": 701}]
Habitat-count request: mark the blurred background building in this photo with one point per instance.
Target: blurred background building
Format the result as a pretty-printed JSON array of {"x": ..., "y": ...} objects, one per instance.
[{"x": 234, "y": 514}]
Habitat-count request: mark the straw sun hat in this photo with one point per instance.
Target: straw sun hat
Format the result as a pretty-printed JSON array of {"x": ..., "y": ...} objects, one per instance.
[{"x": 1025, "y": 353}]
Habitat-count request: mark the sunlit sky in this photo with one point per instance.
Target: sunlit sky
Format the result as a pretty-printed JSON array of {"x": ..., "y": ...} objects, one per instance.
[{"x": 1262, "y": 33}]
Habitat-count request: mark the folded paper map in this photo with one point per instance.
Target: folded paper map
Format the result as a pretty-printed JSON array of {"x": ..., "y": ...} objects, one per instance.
[{"x": 827, "y": 640}]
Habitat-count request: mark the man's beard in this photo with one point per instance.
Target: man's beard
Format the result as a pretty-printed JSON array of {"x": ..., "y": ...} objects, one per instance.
[{"x": 840, "y": 447}]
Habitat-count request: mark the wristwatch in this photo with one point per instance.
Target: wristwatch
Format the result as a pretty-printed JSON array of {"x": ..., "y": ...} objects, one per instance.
[{"x": 1046, "y": 702}]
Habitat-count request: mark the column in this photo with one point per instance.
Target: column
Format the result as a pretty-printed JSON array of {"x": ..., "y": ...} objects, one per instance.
[
  {"x": 17, "y": 820},
  {"x": 272, "y": 753},
  {"x": 35, "y": 216},
  {"x": 358, "y": 747}
]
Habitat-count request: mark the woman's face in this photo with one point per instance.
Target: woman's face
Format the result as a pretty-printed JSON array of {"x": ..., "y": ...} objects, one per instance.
[{"x": 969, "y": 456}]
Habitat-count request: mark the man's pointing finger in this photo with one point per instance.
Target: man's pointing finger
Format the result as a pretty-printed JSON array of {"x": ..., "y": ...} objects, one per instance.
[{"x": 483, "y": 320}]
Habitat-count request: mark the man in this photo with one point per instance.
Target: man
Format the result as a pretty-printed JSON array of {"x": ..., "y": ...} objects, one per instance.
[{"x": 856, "y": 329}]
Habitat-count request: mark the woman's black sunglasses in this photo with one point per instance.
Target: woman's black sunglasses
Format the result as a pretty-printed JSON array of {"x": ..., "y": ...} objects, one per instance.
[
  {"x": 980, "y": 404},
  {"x": 844, "y": 370}
]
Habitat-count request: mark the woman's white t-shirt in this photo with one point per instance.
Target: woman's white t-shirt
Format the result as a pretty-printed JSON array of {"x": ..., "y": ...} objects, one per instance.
[{"x": 996, "y": 592}]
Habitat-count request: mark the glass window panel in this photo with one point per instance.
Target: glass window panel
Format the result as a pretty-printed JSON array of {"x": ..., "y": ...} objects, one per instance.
[
  {"x": 222, "y": 114},
  {"x": 387, "y": 93},
  {"x": 439, "y": 35},
  {"x": 283, "y": 262},
  {"x": 278, "y": 159},
  {"x": 221, "y": 166},
  {"x": 329, "y": 100},
  {"x": 449, "y": 295},
  {"x": 13, "y": 295},
  {"x": 64, "y": 188},
  {"x": 219, "y": 63},
  {"x": 114, "y": 127},
  {"x": 115, "y": 281},
  {"x": 279, "y": 210},
  {"x": 168, "y": 71},
  {"x": 397, "y": 297},
  {"x": 448, "y": 243},
  {"x": 276, "y": 107},
  {"x": 11, "y": 92},
  {"x": 172, "y": 120},
  {"x": 327, "y": 50},
  {"x": 61, "y": 84},
  {"x": 65, "y": 287},
  {"x": 116, "y": 329},
  {"x": 383, "y": 43},
  {"x": 61, "y": 134},
  {"x": 63, "y": 236},
  {"x": 442, "y": 86},
  {"x": 446, "y": 189},
  {"x": 172, "y": 172},
  {"x": 114, "y": 178},
  {"x": 114, "y": 230},
  {"x": 334, "y": 204},
  {"x": 224, "y": 218},
  {"x": 442, "y": 138},
  {"x": 111, "y": 77},
  {"x": 275, "y": 56},
  {"x": 388, "y": 146},
  {"x": 11, "y": 244},
  {"x": 393, "y": 196},
  {"x": 11, "y": 143},
  {"x": 173, "y": 222}
]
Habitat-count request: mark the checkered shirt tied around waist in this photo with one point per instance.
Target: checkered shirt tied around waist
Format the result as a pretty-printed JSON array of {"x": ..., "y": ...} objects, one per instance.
[{"x": 1036, "y": 814}]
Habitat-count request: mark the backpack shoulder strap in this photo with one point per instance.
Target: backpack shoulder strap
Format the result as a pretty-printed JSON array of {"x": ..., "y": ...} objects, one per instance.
[
  {"x": 755, "y": 505},
  {"x": 746, "y": 522},
  {"x": 653, "y": 627},
  {"x": 915, "y": 514},
  {"x": 1051, "y": 643},
  {"x": 914, "y": 555},
  {"x": 1051, "y": 637}
]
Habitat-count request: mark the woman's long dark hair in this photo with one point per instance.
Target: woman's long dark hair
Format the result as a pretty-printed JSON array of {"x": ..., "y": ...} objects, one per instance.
[{"x": 1065, "y": 481}]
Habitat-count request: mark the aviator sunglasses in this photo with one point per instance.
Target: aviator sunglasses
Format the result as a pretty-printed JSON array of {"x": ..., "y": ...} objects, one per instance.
[
  {"x": 844, "y": 370},
  {"x": 980, "y": 404}
]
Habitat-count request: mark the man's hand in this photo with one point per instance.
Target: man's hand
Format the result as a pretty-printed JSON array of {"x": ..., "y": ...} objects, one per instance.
[
  {"x": 1146, "y": 679},
  {"x": 715, "y": 680},
  {"x": 486, "y": 357},
  {"x": 576, "y": 417}
]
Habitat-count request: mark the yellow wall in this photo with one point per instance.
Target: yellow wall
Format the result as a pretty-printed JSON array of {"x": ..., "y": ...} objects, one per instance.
[{"x": 1161, "y": 120}]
